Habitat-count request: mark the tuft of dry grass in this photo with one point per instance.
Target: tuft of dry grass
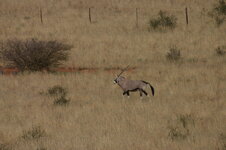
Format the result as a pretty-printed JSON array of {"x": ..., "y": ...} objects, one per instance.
[
  {"x": 189, "y": 95},
  {"x": 34, "y": 133}
]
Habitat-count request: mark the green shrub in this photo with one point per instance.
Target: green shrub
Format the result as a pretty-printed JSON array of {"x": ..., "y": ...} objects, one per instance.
[
  {"x": 163, "y": 21},
  {"x": 218, "y": 13},
  {"x": 34, "y": 55}
]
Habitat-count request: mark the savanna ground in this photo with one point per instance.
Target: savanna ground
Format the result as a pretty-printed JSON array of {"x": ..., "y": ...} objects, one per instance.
[{"x": 188, "y": 111}]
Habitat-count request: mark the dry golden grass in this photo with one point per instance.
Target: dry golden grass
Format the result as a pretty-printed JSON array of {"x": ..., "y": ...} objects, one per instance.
[{"x": 190, "y": 94}]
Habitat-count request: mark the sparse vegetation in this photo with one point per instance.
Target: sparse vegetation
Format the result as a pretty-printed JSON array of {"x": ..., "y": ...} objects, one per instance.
[
  {"x": 221, "y": 50},
  {"x": 62, "y": 100},
  {"x": 57, "y": 91},
  {"x": 34, "y": 55},
  {"x": 163, "y": 21},
  {"x": 34, "y": 133},
  {"x": 219, "y": 12},
  {"x": 173, "y": 54},
  {"x": 186, "y": 120},
  {"x": 181, "y": 129},
  {"x": 5, "y": 147},
  {"x": 97, "y": 117},
  {"x": 178, "y": 133},
  {"x": 222, "y": 139},
  {"x": 41, "y": 148},
  {"x": 59, "y": 94}
]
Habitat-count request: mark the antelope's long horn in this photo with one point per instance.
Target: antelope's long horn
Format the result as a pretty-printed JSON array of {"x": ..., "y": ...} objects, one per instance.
[{"x": 123, "y": 70}]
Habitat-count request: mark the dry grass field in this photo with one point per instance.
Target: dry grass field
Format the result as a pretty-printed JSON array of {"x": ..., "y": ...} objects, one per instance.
[{"x": 188, "y": 111}]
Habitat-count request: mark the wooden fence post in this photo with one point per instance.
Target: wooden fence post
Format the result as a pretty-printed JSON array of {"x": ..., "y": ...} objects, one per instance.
[
  {"x": 186, "y": 14},
  {"x": 137, "y": 23},
  {"x": 90, "y": 19},
  {"x": 40, "y": 11}
]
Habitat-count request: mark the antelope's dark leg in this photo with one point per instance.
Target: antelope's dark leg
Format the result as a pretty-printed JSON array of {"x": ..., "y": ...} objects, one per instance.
[
  {"x": 127, "y": 93},
  {"x": 144, "y": 92},
  {"x": 140, "y": 93}
]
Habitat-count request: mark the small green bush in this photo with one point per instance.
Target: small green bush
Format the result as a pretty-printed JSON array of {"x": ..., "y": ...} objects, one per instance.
[
  {"x": 218, "y": 13},
  {"x": 34, "y": 55},
  {"x": 163, "y": 21},
  {"x": 173, "y": 54},
  {"x": 34, "y": 133}
]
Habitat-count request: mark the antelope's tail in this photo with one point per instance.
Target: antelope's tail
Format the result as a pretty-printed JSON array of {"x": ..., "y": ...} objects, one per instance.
[{"x": 152, "y": 88}]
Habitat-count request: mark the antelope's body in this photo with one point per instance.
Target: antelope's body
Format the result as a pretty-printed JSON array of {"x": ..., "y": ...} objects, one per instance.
[{"x": 133, "y": 85}]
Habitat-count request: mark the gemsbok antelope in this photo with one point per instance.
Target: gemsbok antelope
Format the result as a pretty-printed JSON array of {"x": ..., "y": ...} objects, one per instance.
[{"x": 132, "y": 85}]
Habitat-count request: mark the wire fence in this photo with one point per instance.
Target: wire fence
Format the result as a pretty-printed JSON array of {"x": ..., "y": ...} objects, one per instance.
[{"x": 95, "y": 15}]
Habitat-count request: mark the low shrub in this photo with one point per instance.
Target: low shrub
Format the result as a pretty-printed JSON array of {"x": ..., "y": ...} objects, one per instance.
[
  {"x": 178, "y": 133},
  {"x": 220, "y": 7},
  {"x": 173, "y": 54},
  {"x": 221, "y": 50},
  {"x": 34, "y": 55},
  {"x": 180, "y": 130},
  {"x": 59, "y": 94},
  {"x": 218, "y": 13},
  {"x": 34, "y": 133},
  {"x": 61, "y": 101},
  {"x": 57, "y": 90},
  {"x": 5, "y": 147},
  {"x": 163, "y": 21}
]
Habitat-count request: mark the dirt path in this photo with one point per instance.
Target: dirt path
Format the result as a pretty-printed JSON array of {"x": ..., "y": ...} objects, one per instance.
[{"x": 14, "y": 71}]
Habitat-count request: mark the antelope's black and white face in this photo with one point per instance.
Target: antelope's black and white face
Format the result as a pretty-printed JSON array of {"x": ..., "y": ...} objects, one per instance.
[{"x": 118, "y": 79}]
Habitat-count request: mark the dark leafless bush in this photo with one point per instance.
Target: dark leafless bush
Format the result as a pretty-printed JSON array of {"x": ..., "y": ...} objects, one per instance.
[{"x": 34, "y": 55}]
